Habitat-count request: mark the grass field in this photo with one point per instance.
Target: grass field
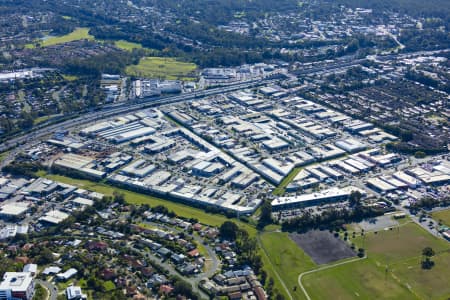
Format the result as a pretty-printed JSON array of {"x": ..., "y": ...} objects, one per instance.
[
  {"x": 78, "y": 34},
  {"x": 41, "y": 119},
  {"x": 391, "y": 271},
  {"x": 427, "y": 284},
  {"x": 128, "y": 46},
  {"x": 442, "y": 216},
  {"x": 359, "y": 280},
  {"x": 287, "y": 259},
  {"x": 163, "y": 68}
]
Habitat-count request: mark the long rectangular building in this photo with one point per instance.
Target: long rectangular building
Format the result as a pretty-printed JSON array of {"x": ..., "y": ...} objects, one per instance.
[{"x": 327, "y": 196}]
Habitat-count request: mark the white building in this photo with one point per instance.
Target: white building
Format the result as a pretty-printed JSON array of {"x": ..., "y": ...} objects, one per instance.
[
  {"x": 30, "y": 268},
  {"x": 67, "y": 274},
  {"x": 74, "y": 293},
  {"x": 326, "y": 196},
  {"x": 17, "y": 285}
]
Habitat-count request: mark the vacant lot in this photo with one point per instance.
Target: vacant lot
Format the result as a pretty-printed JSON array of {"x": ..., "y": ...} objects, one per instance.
[
  {"x": 378, "y": 223},
  {"x": 322, "y": 246},
  {"x": 77, "y": 34},
  {"x": 391, "y": 271},
  {"x": 442, "y": 216},
  {"x": 163, "y": 68}
]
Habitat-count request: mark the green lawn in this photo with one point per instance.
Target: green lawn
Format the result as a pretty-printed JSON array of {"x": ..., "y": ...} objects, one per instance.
[
  {"x": 163, "y": 68},
  {"x": 78, "y": 34},
  {"x": 40, "y": 292},
  {"x": 395, "y": 245},
  {"x": 128, "y": 46},
  {"x": 442, "y": 216},
  {"x": 391, "y": 271},
  {"x": 287, "y": 259},
  {"x": 359, "y": 280}
]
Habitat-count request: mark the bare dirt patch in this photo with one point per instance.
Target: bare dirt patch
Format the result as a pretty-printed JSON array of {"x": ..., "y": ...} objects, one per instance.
[{"x": 322, "y": 246}]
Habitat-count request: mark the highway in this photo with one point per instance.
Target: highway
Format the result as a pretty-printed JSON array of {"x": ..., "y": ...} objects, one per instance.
[
  {"x": 111, "y": 110},
  {"x": 125, "y": 107}
]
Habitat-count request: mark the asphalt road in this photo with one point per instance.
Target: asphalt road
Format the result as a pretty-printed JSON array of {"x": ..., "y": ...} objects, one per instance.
[
  {"x": 193, "y": 280},
  {"x": 214, "y": 259},
  {"x": 116, "y": 109},
  {"x": 53, "y": 292}
]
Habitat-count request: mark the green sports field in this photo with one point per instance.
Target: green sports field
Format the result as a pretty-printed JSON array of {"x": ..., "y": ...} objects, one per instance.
[
  {"x": 391, "y": 271},
  {"x": 163, "y": 68}
]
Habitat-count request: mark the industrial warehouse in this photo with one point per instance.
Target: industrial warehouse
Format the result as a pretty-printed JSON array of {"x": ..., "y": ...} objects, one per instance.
[{"x": 228, "y": 151}]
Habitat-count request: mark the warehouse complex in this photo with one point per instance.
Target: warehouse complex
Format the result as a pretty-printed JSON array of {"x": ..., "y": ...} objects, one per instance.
[{"x": 230, "y": 151}]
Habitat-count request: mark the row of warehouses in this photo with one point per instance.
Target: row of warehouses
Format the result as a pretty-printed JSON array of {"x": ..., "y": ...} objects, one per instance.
[
  {"x": 437, "y": 174},
  {"x": 410, "y": 178}
]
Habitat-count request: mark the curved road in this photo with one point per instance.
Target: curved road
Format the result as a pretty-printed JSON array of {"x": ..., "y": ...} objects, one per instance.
[
  {"x": 52, "y": 290},
  {"x": 215, "y": 260},
  {"x": 194, "y": 281}
]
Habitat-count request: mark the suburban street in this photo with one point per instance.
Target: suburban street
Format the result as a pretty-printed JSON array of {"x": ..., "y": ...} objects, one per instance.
[{"x": 53, "y": 292}]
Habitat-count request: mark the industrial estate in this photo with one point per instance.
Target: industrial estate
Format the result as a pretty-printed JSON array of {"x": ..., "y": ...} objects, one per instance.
[{"x": 209, "y": 150}]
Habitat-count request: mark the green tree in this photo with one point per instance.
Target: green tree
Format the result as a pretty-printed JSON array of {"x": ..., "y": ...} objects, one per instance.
[
  {"x": 355, "y": 198},
  {"x": 266, "y": 214},
  {"x": 419, "y": 154},
  {"x": 39, "y": 292},
  {"x": 428, "y": 252},
  {"x": 119, "y": 197},
  {"x": 228, "y": 230},
  {"x": 45, "y": 257}
]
